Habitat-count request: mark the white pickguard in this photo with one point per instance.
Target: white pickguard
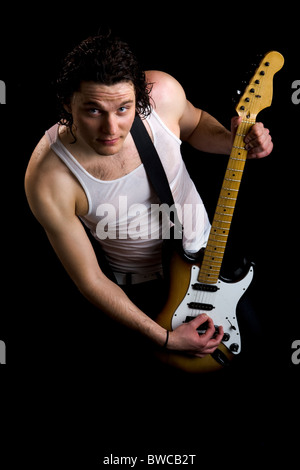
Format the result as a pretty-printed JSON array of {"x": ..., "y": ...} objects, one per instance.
[{"x": 224, "y": 301}]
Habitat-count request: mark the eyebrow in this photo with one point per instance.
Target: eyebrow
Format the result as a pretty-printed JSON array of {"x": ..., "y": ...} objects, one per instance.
[{"x": 96, "y": 104}]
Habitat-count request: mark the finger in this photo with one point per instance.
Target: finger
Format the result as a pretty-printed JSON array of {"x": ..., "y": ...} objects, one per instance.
[
  {"x": 199, "y": 320},
  {"x": 235, "y": 122},
  {"x": 207, "y": 350},
  {"x": 219, "y": 336},
  {"x": 258, "y": 153},
  {"x": 216, "y": 340},
  {"x": 259, "y": 141},
  {"x": 257, "y": 135},
  {"x": 212, "y": 344},
  {"x": 260, "y": 147},
  {"x": 255, "y": 131},
  {"x": 210, "y": 331}
]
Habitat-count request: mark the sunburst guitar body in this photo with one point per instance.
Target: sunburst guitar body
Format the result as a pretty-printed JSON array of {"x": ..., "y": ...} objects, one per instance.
[{"x": 188, "y": 298}]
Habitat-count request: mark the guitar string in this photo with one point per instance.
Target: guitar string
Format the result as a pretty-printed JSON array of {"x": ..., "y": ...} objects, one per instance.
[{"x": 204, "y": 297}]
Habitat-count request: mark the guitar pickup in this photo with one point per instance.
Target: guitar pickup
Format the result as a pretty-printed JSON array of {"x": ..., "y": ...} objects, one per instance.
[
  {"x": 205, "y": 287},
  {"x": 200, "y": 306}
]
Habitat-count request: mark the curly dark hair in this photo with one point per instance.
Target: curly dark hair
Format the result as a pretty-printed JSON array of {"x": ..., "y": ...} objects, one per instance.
[{"x": 102, "y": 59}]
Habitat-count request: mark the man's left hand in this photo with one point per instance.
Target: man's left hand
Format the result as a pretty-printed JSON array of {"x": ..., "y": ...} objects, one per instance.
[{"x": 258, "y": 140}]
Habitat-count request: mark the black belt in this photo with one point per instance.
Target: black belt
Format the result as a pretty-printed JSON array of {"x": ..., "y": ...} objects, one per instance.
[{"x": 124, "y": 279}]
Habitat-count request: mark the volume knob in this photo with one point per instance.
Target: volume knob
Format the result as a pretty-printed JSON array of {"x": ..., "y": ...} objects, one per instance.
[
  {"x": 234, "y": 347},
  {"x": 226, "y": 337}
]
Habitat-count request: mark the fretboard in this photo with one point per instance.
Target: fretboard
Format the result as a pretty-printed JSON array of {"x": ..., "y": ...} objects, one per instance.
[{"x": 215, "y": 249}]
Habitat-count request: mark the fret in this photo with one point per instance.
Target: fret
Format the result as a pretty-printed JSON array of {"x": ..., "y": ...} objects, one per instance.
[
  {"x": 222, "y": 213},
  {"x": 220, "y": 241},
  {"x": 210, "y": 271},
  {"x": 238, "y": 159},
  {"x": 222, "y": 205},
  {"x": 220, "y": 235},
  {"x": 249, "y": 122},
  {"x": 218, "y": 225},
  {"x": 234, "y": 169},
  {"x": 208, "y": 279},
  {"x": 212, "y": 274},
  {"x": 218, "y": 228},
  {"x": 228, "y": 198},
  {"x": 215, "y": 256},
  {"x": 230, "y": 179},
  {"x": 222, "y": 221},
  {"x": 236, "y": 147},
  {"x": 209, "y": 266},
  {"x": 218, "y": 246},
  {"x": 213, "y": 248}
]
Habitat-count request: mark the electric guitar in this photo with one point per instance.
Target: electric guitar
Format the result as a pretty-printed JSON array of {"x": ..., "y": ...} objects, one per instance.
[{"x": 196, "y": 286}]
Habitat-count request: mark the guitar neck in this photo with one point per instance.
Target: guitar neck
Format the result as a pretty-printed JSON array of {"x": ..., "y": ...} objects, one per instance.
[
  {"x": 215, "y": 249},
  {"x": 257, "y": 96}
]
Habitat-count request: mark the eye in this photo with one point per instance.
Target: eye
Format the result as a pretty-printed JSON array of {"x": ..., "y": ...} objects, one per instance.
[
  {"x": 94, "y": 111},
  {"x": 122, "y": 109}
]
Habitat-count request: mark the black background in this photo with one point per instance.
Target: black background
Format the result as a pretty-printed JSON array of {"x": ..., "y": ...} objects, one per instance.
[{"x": 99, "y": 405}]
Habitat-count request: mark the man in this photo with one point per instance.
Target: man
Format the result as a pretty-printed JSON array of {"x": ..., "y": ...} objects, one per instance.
[{"x": 90, "y": 160}]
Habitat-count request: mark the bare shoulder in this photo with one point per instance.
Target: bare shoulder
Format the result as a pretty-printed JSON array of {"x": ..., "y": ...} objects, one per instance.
[
  {"x": 168, "y": 97},
  {"x": 49, "y": 187},
  {"x": 171, "y": 104}
]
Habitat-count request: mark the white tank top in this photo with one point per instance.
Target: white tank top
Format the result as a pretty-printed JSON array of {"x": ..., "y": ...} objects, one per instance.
[{"x": 123, "y": 214}]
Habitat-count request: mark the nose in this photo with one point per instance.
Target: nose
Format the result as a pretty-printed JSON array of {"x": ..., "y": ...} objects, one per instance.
[{"x": 109, "y": 124}]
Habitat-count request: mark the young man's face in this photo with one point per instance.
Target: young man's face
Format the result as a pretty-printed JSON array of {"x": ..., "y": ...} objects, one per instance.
[{"x": 103, "y": 115}]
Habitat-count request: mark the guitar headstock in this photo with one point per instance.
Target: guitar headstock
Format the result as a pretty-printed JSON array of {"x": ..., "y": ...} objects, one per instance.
[{"x": 259, "y": 92}]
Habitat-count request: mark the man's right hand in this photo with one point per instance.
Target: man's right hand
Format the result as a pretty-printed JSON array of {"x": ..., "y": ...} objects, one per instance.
[{"x": 187, "y": 339}]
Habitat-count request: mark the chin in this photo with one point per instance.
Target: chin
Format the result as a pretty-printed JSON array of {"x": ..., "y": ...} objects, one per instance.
[{"x": 106, "y": 150}]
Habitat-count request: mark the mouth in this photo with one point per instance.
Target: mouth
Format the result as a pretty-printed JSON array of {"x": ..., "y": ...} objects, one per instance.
[{"x": 109, "y": 142}]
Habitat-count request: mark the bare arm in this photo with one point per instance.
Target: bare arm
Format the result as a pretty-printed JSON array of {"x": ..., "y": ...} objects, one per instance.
[
  {"x": 55, "y": 210},
  {"x": 198, "y": 127},
  {"x": 191, "y": 124},
  {"x": 71, "y": 244},
  {"x": 208, "y": 135},
  {"x": 78, "y": 258}
]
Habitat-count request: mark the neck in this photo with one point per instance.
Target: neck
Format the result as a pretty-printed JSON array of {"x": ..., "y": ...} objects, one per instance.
[{"x": 215, "y": 249}]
